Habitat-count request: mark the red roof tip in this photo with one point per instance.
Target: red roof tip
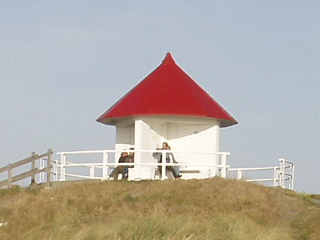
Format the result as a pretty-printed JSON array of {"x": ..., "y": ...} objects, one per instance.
[{"x": 168, "y": 58}]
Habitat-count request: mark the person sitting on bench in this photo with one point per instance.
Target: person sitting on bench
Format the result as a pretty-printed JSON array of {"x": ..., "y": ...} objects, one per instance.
[
  {"x": 119, "y": 169},
  {"x": 169, "y": 157},
  {"x": 130, "y": 159}
]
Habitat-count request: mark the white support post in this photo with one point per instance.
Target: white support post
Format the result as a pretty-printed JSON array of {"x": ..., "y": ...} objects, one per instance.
[
  {"x": 92, "y": 172},
  {"x": 239, "y": 174},
  {"x": 224, "y": 165},
  {"x": 49, "y": 163},
  {"x": 105, "y": 166},
  {"x": 214, "y": 169},
  {"x": 281, "y": 182},
  {"x": 275, "y": 176},
  {"x": 163, "y": 166},
  {"x": 216, "y": 149},
  {"x": 63, "y": 167}
]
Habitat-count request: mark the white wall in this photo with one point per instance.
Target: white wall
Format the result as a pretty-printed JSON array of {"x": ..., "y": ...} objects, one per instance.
[
  {"x": 145, "y": 138},
  {"x": 124, "y": 139},
  {"x": 199, "y": 137}
]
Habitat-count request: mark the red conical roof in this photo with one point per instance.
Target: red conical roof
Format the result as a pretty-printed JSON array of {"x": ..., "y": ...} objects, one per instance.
[{"x": 167, "y": 91}]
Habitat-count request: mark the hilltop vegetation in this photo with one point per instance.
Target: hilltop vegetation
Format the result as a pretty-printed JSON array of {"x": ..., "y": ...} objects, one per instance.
[{"x": 174, "y": 209}]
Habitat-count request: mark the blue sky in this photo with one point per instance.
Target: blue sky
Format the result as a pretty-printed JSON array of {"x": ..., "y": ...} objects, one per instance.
[{"x": 63, "y": 63}]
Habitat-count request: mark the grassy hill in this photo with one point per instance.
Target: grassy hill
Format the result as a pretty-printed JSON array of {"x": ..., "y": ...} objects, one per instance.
[{"x": 174, "y": 209}]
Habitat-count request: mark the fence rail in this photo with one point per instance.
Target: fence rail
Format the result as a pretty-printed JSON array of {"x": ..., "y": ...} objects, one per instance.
[
  {"x": 11, "y": 178},
  {"x": 282, "y": 175},
  {"x": 105, "y": 166}
]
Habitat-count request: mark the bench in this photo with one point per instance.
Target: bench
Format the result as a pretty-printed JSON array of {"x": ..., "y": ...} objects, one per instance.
[{"x": 186, "y": 171}]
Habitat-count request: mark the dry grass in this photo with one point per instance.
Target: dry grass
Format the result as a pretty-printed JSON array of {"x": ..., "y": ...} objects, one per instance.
[{"x": 195, "y": 209}]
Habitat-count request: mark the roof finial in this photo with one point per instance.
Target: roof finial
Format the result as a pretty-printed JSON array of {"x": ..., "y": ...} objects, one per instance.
[{"x": 168, "y": 58}]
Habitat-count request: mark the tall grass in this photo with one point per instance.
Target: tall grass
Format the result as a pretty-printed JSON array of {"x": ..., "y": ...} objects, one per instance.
[{"x": 174, "y": 209}]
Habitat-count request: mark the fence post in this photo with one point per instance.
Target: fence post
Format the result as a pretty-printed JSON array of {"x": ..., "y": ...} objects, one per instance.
[
  {"x": 49, "y": 159},
  {"x": 163, "y": 166},
  {"x": 224, "y": 165},
  {"x": 92, "y": 172},
  {"x": 104, "y": 166},
  {"x": 9, "y": 175},
  {"x": 33, "y": 166},
  {"x": 62, "y": 167},
  {"x": 41, "y": 175},
  {"x": 275, "y": 176},
  {"x": 239, "y": 174},
  {"x": 281, "y": 160}
]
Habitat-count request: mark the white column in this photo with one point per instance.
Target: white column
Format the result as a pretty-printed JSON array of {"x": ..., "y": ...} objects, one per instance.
[
  {"x": 104, "y": 166},
  {"x": 282, "y": 176},
  {"x": 163, "y": 166},
  {"x": 62, "y": 167},
  {"x": 138, "y": 130},
  {"x": 216, "y": 148},
  {"x": 92, "y": 172},
  {"x": 224, "y": 165}
]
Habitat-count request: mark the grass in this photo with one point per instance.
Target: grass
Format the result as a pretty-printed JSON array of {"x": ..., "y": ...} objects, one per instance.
[{"x": 174, "y": 209}]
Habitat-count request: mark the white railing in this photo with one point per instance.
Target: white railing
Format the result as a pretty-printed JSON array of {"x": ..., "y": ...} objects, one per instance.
[
  {"x": 280, "y": 176},
  {"x": 100, "y": 169},
  {"x": 104, "y": 162},
  {"x": 286, "y": 174}
]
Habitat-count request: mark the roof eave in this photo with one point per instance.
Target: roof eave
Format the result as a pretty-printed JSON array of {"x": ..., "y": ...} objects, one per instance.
[{"x": 114, "y": 121}]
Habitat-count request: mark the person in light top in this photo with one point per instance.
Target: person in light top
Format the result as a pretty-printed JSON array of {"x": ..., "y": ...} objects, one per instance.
[{"x": 169, "y": 158}]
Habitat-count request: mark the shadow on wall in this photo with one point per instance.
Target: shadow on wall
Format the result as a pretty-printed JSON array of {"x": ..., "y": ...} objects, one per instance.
[{"x": 171, "y": 130}]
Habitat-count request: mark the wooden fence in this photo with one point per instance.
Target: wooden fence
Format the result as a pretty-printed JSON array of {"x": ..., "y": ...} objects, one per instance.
[{"x": 31, "y": 173}]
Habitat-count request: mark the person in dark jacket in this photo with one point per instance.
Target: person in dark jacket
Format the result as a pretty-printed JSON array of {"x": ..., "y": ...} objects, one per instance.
[
  {"x": 119, "y": 169},
  {"x": 130, "y": 159}
]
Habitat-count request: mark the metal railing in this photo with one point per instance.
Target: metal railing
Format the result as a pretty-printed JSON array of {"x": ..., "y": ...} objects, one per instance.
[
  {"x": 104, "y": 165},
  {"x": 104, "y": 161},
  {"x": 280, "y": 176}
]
